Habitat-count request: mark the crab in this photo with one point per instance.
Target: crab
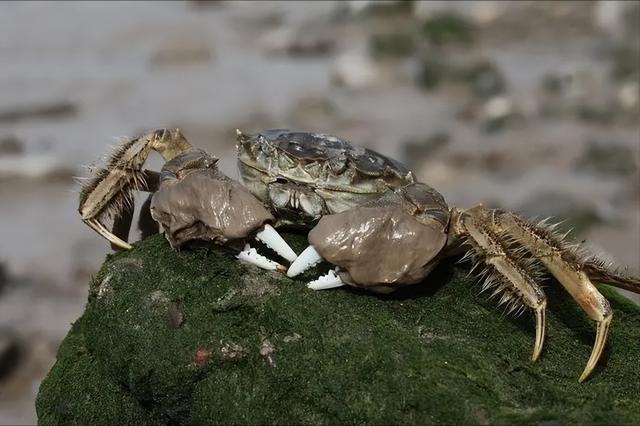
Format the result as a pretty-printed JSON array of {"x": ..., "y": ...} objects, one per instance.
[{"x": 368, "y": 216}]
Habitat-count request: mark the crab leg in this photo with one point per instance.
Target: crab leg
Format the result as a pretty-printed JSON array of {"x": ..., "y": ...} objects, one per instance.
[
  {"x": 307, "y": 259},
  {"x": 275, "y": 242},
  {"x": 110, "y": 190},
  {"x": 569, "y": 271},
  {"x": 104, "y": 232},
  {"x": 503, "y": 271},
  {"x": 250, "y": 255}
]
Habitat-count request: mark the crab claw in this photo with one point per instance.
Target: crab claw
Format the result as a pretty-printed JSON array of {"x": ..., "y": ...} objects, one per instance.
[
  {"x": 250, "y": 255},
  {"x": 308, "y": 258},
  {"x": 327, "y": 281},
  {"x": 275, "y": 242}
]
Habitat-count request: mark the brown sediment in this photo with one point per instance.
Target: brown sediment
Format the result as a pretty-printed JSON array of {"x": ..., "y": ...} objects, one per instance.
[{"x": 379, "y": 245}]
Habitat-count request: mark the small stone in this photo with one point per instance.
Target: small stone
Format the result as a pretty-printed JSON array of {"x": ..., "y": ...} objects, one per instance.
[
  {"x": 292, "y": 338},
  {"x": 201, "y": 356},
  {"x": 10, "y": 145},
  {"x": 266, "y": 351},
  {"x": 9, "y": 352},
  {"x": 629, "y": 95},
  {"x": 175, "y": 316},
  {"x": 355, "y": 70},
  {"x": 232, "y": 351},
  {"x": 53, "y": 110}
]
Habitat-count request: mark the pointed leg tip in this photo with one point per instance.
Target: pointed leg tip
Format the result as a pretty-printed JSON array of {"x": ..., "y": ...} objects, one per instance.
[
  {"x": 117, "y": 246},
  {"x": 585, "y": 374},
  {"x": 536, "y": 355}
]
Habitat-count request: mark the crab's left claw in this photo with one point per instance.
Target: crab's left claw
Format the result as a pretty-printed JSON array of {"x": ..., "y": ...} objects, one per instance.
[
  {"x": 250, "y": 255},
  {"x": 275, "y": 242}
]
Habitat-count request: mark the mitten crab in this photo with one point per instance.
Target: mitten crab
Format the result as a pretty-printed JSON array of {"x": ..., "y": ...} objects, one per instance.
[{"x": 368, "y": 215}]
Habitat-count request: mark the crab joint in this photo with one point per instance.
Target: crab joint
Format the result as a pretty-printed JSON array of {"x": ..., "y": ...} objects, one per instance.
[
  {"x": 308, "y": 258},
  {"x": 275, "y": 242}
]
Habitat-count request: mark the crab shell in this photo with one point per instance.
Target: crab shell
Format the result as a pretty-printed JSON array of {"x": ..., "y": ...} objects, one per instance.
[
  {"x": 197, "y": 202},
  {"x": 391, "y": 242},
  {"x": 304, "y": 176}
]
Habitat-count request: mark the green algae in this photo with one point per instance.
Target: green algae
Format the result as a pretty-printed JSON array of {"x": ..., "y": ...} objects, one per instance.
[{"x": 196, "y": 338}]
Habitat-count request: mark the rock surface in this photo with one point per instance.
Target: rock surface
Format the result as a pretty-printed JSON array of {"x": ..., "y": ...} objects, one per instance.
[{"x": 196, "y": 337}]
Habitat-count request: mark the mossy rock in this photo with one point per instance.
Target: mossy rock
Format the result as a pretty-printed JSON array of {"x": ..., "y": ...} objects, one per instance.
[{"x": 197, "y": 338}]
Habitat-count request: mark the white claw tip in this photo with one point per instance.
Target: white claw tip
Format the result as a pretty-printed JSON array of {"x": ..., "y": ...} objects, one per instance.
[
  {"x": 250, "y": 255},
  {"x": 275, "y": 242},
  {"x": 308, "y": 258},
  {"x": 324, "y": 282}
]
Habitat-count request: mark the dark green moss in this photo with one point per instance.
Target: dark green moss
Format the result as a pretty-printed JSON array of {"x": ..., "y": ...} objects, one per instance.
[
  {"x": 195, "y": 337},
  {"x": 78, "y": 390}
]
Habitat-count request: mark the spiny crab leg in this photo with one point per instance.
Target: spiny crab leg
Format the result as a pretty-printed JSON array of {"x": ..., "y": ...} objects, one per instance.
[
  {"x": 308, "y": 258},
  {"x": 570, "y": 274},
  {"x": 250, "y": 255},
  {"x": 275, "y": 242}
]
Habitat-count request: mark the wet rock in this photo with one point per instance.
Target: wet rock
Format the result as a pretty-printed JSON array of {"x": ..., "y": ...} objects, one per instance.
[
  {"x": 201, "y": 356},
  {"x": 607, "y": 158},
  {"x": 267, "y": 351},
  {"x": 392, "y": 45},
  {"x": 480, "y": 76},
  {"x": 313, "y": 112},
  {"x": 416, "y": 150},
  {"x": 484, "y": 77},
  {"x": 625, "y": 61},
  {"x": 498, "y": 113},
  {"x": 355, "y": 70},
  {"x": 628, "y": 96},
  {"x": 376, "y": 7},
  {"x": 576, "y": 214},
  {"x": 9, "y": 353},
  {"x": 10, "y": 145},
  {"x": 307, "y": 42},
  {"x": 363, "y": 358},
  {"x": 182, "y": 50},
  {"x": 52, "y": 111},
  {"x": 432, "y": 71},
  {"x": 448, "y": 27},
  {"x": 34, "y": 167},
  {"x": 4, "y": 276}
]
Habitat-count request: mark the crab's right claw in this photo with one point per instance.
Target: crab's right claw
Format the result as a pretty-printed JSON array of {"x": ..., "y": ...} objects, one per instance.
[
  {"x": 330, "y": 280},
  {"x": 309, "y": 258}
]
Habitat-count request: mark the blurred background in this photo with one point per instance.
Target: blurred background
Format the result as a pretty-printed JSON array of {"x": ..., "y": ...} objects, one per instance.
[{"x": 530, "y": 106}]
